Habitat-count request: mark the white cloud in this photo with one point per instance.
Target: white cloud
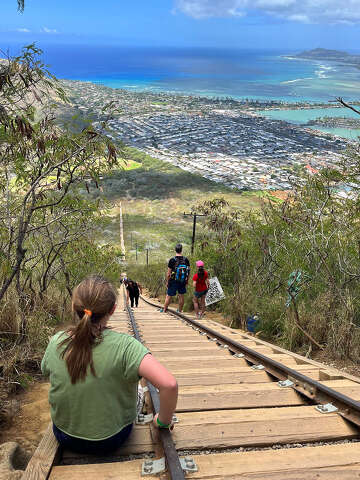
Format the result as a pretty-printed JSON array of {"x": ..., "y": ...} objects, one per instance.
[
  {"x": 299, "y": 18},
  {"x": 23, "y": 30},
  {"x": 48, "y": 30},
  {"x": 304, "y": 11}
]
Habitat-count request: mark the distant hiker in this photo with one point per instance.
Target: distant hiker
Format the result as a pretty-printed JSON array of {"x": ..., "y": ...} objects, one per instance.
[
  {"x": 201, "y": 286},
  {"x": 133, "y": 290},
  {"x": 177, "y": 278},
  {"x": 94, "y": 373}
]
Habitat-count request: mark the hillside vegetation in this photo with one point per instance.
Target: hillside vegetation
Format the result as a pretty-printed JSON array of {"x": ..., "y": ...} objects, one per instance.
[
  {"x": 154, "y": 196},
  {"x": 49, "y": 230}
]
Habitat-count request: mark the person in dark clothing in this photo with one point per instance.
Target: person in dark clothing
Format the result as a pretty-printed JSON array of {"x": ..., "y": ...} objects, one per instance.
[
  {"x": 177, "y": 278},
  {"x": 133, "y": 290}
]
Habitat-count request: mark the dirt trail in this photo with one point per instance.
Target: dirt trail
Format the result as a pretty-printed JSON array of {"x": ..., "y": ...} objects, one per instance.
[{"x": 29, "y": 424}]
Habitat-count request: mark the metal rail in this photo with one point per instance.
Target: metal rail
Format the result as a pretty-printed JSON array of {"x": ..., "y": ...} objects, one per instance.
[
  {"x": 312, "y": 389},
  {"x": 171, "y": 455}
]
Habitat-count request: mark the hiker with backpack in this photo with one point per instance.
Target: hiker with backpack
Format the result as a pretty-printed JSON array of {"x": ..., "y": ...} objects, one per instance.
[
  {"x": 201, "y": 286},
  {"x": 133, "y": 290},
  {"x": 177, "y": 278}
]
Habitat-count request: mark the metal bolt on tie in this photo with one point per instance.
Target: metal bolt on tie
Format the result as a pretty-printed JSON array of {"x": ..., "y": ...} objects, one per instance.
[
  {"x": 153, "y": 467},
  {"x": 258, "y": 367},
  {"x": 285, "y": 383},
  {"x": 239, "y": 355},
  {"x": 142, "y": 419},
  {"x": 327, "y": 408},
  {"x": 188, "y": 464}
]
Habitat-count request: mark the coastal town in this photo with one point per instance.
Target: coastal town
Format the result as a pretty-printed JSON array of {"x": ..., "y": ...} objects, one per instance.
[{"x": 222, "y": 139}]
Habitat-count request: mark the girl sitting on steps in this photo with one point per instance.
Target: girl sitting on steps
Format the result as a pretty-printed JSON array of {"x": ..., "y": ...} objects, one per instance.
[{"x": 94, "y": 373}]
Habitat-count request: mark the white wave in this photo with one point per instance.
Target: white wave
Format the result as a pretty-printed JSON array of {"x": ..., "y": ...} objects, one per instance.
[
  {"x": 322, "y": 70},
  {"x": 321, "y": 74},
  {"x": 297, "y": 80}
]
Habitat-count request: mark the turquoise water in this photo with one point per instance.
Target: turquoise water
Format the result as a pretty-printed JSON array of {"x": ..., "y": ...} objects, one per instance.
[
  {"x": 301, "y": 117},
  {"x": 351, "y": 133},
  {"x": 304, "y": 115}
]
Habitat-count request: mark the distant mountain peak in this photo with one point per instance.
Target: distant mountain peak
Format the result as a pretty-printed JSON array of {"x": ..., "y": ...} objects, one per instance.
[
  {"x": 323, "y": 52},
  {"x": 330, "y": 55}
]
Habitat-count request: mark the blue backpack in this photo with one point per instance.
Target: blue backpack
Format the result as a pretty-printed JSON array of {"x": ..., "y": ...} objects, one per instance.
[{"x": 181, "y": 270}]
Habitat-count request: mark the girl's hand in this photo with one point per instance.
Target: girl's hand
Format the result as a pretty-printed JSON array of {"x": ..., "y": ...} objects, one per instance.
[{"x": 171, "y": 427}]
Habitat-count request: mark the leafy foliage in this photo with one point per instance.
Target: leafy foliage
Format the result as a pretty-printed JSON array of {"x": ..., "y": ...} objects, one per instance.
[{"x": 315, "y": 233}]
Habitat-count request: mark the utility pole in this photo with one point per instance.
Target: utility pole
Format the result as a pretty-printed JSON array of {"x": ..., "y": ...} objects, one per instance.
[
  {"x": 194, "y": 215},
  {"x": 147, "y": 256},
  {"x": 122, "y": 243},
  {"x": 136, "y": 251}
]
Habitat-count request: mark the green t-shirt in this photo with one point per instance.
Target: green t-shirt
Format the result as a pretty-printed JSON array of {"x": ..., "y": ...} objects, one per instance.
[{"x": 100, "y": 406}]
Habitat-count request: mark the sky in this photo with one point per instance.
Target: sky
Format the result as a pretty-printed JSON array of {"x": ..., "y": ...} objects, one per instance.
[{"x": 272, "y": 24}]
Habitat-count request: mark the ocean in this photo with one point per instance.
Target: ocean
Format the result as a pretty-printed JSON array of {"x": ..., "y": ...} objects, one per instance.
[
  {"x": 257, "y": 74},
  {"x": 237, "y": 73}
]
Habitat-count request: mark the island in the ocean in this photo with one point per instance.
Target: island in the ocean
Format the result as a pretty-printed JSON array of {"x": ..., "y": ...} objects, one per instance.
[{"x": 330, "y": 55}]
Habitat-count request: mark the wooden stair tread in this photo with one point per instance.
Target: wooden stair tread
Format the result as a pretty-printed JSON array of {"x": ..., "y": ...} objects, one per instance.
[
  {"x": 333, "y": 462},
  {"x": 225, "y": 396},
  {"x": 258, "y": 427},
  {"x": 205, "y": 377},
  {"x": 328, "y": 462}
]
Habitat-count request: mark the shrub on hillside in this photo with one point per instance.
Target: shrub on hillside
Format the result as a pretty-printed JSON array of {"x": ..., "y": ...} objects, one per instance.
[{"x": 48, "y": 228}]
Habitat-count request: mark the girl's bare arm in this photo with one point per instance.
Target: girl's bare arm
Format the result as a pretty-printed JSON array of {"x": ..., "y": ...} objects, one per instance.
[{"x": 165, "y": 382}]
